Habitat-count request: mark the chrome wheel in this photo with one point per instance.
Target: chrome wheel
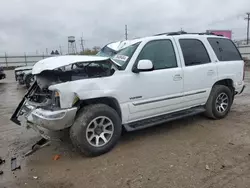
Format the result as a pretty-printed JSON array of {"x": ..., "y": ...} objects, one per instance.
[
  {"x": 222, "y": 102},
  {"x": 99, "y": 131}
]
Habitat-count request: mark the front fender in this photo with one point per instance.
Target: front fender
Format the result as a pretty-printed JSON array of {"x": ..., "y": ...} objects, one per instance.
[{"x": 68, "y": 91}]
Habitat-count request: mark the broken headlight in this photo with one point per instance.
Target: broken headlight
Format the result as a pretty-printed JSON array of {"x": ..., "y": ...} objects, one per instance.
[
  {"x": 56, "y": 99},
  {"x": 76, "y": 99}
]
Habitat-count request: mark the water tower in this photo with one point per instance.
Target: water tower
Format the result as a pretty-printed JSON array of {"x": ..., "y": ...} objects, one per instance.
[{"x": 72, "y": 45}]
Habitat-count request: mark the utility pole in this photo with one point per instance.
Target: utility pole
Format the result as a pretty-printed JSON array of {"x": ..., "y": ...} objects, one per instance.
[
  {"x": 81, "y": 42},
  {"x": 126, "y": 32},
  {"x": 60, "y": 48},
  {"x": 248, "y": 20}
]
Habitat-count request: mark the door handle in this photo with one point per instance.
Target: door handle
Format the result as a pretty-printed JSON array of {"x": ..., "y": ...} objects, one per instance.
[
  {"x": 177, "y": 77},
  {"x": 210, "y": 72}
]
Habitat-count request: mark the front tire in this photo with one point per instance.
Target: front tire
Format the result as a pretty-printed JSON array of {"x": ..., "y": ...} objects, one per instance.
[
  {"x": 96, "y": 129},
  {"x": 219, "y": 102}
]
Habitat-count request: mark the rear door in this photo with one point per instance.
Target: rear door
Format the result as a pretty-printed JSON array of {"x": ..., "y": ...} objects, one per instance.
[{"x": 199, "y": 70}]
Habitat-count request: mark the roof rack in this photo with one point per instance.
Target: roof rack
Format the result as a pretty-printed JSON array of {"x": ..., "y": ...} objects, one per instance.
[
  {"x": 183, "y": 33},
  {"x": 172, "y": 33}
]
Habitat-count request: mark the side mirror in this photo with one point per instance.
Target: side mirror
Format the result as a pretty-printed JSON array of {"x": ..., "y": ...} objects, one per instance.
[{"x": 144, "y": 65}]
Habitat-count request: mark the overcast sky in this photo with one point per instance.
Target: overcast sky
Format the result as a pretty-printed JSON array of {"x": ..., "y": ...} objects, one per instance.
[{"x": 32, "y": 25}]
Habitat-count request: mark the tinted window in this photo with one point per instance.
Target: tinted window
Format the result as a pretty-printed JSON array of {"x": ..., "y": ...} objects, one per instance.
[
  {"x": 224, "y": 49},
  {"x": 161, "y": 53},
  {"x": 194, "y": 52}
]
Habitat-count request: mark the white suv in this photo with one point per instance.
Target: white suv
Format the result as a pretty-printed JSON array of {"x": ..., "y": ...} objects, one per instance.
[{"x": 153, "y": 80}]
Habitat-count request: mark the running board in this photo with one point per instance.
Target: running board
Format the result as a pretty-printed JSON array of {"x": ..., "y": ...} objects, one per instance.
[{"x": 163, "y": 118}]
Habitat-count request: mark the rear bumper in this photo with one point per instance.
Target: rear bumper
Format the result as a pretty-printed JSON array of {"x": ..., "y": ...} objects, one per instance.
[
  {"x": 239, "y": 91},
  {"x": 242, "y": 89}
]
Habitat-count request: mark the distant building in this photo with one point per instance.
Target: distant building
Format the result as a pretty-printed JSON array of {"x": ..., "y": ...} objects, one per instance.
[{"x": 225, "y": 33}]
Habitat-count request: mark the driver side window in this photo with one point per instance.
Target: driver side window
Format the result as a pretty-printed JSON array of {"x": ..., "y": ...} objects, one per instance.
[{"x": 161, "y": 53}]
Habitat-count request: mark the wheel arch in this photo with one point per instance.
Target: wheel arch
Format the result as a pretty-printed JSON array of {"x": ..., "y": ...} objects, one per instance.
[
  {"x": 109, "y": 101},
  {"x": 226, "y": 82}
]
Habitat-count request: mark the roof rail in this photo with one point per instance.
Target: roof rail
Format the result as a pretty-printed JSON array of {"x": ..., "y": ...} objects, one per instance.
[
  {"x": 172, "y": 33},
  {"x": 183, "y": 33}
]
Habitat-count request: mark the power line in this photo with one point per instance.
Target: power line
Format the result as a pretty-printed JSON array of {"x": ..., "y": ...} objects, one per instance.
[
  {"x": 126, "y": 32},
  {"x": 248, "y": 20}
]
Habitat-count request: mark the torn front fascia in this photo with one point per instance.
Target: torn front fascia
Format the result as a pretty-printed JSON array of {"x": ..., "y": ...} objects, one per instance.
[
  {"x": 40, "y": 144},
  {"x": 14, "y": 117}
]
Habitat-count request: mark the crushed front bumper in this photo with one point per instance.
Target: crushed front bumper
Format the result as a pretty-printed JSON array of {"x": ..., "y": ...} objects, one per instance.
[
  {"x": 52, "y": 120},
  {"x": 42, "y": 120}
]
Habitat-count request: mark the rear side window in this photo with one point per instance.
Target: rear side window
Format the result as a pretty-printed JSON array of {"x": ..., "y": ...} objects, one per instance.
[
  {"x": 224, "y": 49},
  {"x": 194, "y": 52}
]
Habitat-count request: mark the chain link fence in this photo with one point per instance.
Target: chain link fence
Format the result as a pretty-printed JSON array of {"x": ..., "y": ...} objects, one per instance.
[
  {"x": 245, "y": 52},
  {"x": 12, "y": 61}
]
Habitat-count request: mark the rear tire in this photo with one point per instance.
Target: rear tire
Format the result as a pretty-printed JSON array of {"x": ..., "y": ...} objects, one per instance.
[
  {"x": 96, "y": 129},
  {"x": 219, "y": 102}
]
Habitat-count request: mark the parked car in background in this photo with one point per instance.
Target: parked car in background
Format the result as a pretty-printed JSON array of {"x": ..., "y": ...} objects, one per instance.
[
  {"x": 24, "y": 75},
  {"x": 2, "y": 74}
]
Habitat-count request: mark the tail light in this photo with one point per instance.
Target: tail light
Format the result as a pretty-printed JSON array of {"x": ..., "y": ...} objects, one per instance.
[{"x": 244, "y": 69}]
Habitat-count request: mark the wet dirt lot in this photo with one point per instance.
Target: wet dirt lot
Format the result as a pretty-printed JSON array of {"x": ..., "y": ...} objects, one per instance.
[{"x": 193, "y": 152}]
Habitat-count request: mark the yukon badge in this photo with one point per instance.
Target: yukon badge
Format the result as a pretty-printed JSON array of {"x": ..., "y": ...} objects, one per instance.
[{"x": 136, "y": 97}]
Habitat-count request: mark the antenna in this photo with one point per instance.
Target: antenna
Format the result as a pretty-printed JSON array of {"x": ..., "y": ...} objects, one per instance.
[{"x": 126, "y": 32}]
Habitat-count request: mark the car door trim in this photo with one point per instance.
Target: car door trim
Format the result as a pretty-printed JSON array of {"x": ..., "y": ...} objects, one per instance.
[{"x": 167, "y": 98}]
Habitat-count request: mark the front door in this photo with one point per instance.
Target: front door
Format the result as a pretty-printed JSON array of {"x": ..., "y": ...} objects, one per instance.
[{"x": 159, "y": 91}]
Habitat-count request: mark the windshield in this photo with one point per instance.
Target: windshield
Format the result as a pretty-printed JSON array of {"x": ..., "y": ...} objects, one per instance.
[
  {"x": 106, "y": 52},
  {"x": 123, "y": 56}
]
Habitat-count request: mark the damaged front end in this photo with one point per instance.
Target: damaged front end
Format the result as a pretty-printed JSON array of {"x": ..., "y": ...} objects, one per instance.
[
  {"x": 38, "y": 110},
  {"x": 46, "y": 109}
]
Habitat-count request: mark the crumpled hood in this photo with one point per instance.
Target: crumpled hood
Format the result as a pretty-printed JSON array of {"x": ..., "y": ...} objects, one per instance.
[{"x": 61, "y": 61}]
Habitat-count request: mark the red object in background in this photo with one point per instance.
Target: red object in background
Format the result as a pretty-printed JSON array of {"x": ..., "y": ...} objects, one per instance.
[
  {"x": 56, "y": 157},
  {"x": 225, "y": 33}
]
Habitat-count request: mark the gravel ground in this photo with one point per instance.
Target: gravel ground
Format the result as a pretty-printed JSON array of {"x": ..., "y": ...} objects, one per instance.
[{"x": 193, "y": 152}]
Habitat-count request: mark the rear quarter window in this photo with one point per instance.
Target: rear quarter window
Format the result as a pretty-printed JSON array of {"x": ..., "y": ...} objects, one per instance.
[{"x": 225, "y": 49}]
